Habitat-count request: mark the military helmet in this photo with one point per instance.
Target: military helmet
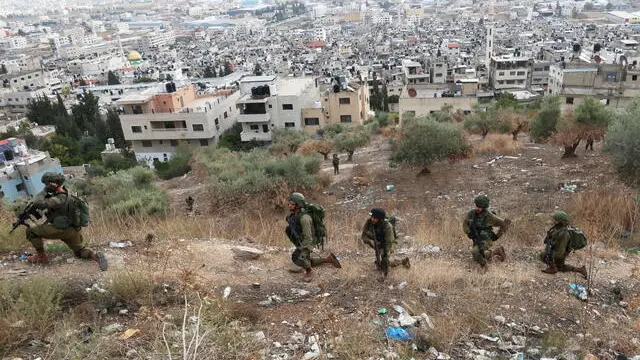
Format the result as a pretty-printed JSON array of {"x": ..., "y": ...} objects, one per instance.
[
  {"x": 561, "y": 216},
  {"x": 482, "y": 201},
  {"x": 378, "y": 213},
  {"x": 51, "y": 177},
  {"x": 297, "y": 198}
]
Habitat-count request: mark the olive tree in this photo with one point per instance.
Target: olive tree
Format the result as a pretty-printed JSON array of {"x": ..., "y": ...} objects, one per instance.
[
  {"x": 622, "y": 143},
  {"x": 588, "y": 122}
]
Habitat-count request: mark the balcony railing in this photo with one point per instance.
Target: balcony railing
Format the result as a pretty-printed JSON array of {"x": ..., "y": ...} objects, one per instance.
[{"x": 171, "y": 129}]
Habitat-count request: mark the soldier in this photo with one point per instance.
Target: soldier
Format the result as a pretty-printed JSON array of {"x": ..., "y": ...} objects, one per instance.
[
  {"x": 558, "y": 249},
  {"x": 336, "y": 164},
  {"x": 59, "y": 224},
  {"x": 301, "y": 233},
  {"x": 189, "y": 202},
  {"x": 478, "y": 224},
  {"x": 589, "y": 144},
  {"x": 379, "y": 234}
]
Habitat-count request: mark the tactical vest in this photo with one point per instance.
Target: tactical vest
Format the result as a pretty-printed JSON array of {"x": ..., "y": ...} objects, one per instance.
[{"x": 480, "y": 222}]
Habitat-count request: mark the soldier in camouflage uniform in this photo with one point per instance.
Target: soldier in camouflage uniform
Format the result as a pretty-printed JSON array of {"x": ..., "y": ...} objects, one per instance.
[
  {"x": 53, "y": 199},
  {"x": 378, "y": 233},
  {"x": 484, "y": 220},
  {"x": 300, "y": 232},
  {"x": 557, "y": 242}
]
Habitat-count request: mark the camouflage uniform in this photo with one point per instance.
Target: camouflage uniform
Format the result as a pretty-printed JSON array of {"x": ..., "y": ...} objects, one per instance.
[
  {"x": 336, "y": 164},
  {"x": 383, "y": 232},
  {"x": 59, "y": 224},
  {"x": 485, "y": 221},
  {"x": 557, "y": 242},
  {"x": 300, "y": 232}
]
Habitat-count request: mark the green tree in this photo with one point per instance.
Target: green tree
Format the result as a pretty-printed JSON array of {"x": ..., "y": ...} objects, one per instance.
[
  {"x": 3, "y": 69},
  {"x": 144, "y": 79},
  {"x": 609, "y": 6},
  {"x": 114, "y": 129},
  {"x": 209, "y": 72},
  {"x": 545, "y": 122},
  {"x": 394, "y": 99},
  {"x": 257, "y": 70},
  {"x": 286, "y": 141},
  {"x": 42, "y": 111},
  {"x": 320, "y": 146},
  {"x": 351, "y": 140},
  {"x": 86, "y": 116},
  {"x": 61, "y": 110},
  {"x": 227, "y": 68},
  {"x": 178, "y": 164},
  {"x": 112, "y": 78},
  {"x": 376, "y": 99},
  {"x": 385, "y": 99},
  {"x": 231, "y": 139},
  {"x": 589, "y": 121},
  {"x": 621, "y": 143},
  {"x": 425, "y": 141},
  {"x": 588, "y": 6}
]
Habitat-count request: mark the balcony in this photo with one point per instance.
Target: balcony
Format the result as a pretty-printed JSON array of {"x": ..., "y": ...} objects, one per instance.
[
  {"x": 254, "y": 135},
  {"x": 254, "y": 118}
]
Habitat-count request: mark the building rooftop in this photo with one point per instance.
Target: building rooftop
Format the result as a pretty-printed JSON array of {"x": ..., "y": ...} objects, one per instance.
[
  {"x": 265, "y": 78},
  {"x": 292, "y": 87}
]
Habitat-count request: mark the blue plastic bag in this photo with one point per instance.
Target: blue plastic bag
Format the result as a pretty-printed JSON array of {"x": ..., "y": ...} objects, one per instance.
[
  {"x": 397, "y": 333},
  {"x": 578, "y": 291}
]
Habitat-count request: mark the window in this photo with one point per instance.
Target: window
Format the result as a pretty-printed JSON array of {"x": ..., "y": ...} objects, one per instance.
[
  {"x": 612, "y": 77},
  {"x": 216, "y": 121},
  {"x": 546, "y": 68},
  {"x": 289, "y": 125},
  {"x": 501, "y": 73},
  {"x": 173, "y": 142},
  {"x": 345, "y": 118},
  {"x": 225, "y": 115},
  {"x": 520, "y": 73},
  {"x": 287, "y": 106},
  {"x": 311, "y": 121},
  {"x": 569, "y": 100},
  {"x": 21, "y": 187},
  {"x": 410, "y": 113},
  {"x": 512, "y": 72},
  {"x": 344, "y": 101},
  {"x": 500, "y": 82},
  {"x": 254, "y": 128},
  {"x": 146, "y": 143},
  {"x": 204, "y": 142},
  {"x": 198, "y": 127},
  {"x": 520, "y": 81},
  {"x": 265, "y": 128},
  {"x": 634, "y": 77},
  {"x": 511, "y": 82}
]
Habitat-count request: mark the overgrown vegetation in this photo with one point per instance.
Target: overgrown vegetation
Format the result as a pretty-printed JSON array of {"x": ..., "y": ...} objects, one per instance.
[
  {"x": 231, "y": 139},
  {"x": 425, "y": 141},
  {"x": 286, "y": 141},
  {"x": 622, "y": 142},
  {"x": 177, "y": 165},
  {"x": 544, "y": 123},
  {"x": 589, "y": 122}
]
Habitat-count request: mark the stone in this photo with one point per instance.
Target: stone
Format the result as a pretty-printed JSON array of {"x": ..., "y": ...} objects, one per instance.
[
  {"x": 427, "y": 320},
  {"x": 590, "y": 357},
  {"x": 501, "y": 319},
  {"x": 246, "y": 253},
  {"x": 111, "y": 328},
  {"x": 406, "y": 320},
  {"x": 259, "y": 335},
  {"x": 123, "y": 312},
  {"x": 310, "y": 355}
]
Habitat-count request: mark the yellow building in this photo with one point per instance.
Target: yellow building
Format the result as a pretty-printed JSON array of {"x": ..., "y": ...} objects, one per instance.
[{"x": 346, "y": 104}]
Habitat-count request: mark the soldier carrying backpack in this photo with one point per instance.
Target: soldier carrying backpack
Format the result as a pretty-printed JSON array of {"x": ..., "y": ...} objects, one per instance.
[
  {"x": 379, "y": 232},
  {"x": 561, "y": 239},
  {"x": 306, "y": 230},
  {"x": 66, "y": 215}
]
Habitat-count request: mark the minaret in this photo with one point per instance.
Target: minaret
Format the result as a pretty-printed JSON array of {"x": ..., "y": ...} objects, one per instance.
[
  {"x": 490, "y": 33},
  {"x": 121, "y": 49}
]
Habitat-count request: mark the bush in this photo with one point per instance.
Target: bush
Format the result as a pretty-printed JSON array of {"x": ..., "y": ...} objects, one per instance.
[
  {"x": 545, "y": 122},
  {"x": 589, "y": 122},
  {"x": 286, "y": 141},
  {"x": 177, "y": 165},
  {"x": 331, "y": 130},
  {"x": 238, "y": 174},
  {"x": 230, "y": 139},
  {"x": 621, "y": 143},
  {"x": 131, "y": 192},
  {"x": 351, "y": 140},
  {"x": 424, "y": 141}
]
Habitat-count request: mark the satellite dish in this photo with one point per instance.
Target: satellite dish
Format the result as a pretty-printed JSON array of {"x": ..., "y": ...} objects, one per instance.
[
  {"x": 597, "y": 59},
  {"x": 412, "y": 92}
]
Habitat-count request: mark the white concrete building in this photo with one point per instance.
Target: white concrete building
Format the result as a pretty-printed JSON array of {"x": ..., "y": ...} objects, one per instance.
[
  {"x": 268, "y": 102},
  {"x": 509, "y": 72}
]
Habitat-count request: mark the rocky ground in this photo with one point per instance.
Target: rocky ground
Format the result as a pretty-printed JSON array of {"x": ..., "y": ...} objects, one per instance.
[{"x": 448, "y": 309}]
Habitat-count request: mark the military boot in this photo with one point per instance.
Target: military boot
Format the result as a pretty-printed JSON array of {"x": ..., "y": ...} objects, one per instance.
[
  {"x": 333, "y": 260},
  {"x": 583, "y": 271},
  {"x": 551, "y": 269},
  {"x": 39, "y": 258},
  {"x": 406, "y": 263},
  {"x": 500, "y": 253}
]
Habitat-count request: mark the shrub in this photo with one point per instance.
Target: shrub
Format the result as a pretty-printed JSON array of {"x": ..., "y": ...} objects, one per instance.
[
  {"x": 351, "y": 140},
  {"x": 131, "y": 192},
  {"x": 178, "y": 165},
  {"x": 622, "y": 144},
  {"x": 424, "y": 141},
  {"x": 285, "y": 141},
  {"x": 331, "y": 130},
  {"x": 484, "y": 122},
  {"x": 320, "y": 146},
  {"x": 496, "y": 144},
  {"x": 545, "y": 122},
  {"x": 589, "y": 122}
]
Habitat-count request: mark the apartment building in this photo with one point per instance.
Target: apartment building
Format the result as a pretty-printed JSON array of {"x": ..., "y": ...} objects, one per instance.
[
  {"x": 21, "y": 169},
  {"x": 20, "y": 62},
  {"x": 96, "y": 68},
  {"x": 343, "y": 102},
  {"x": 17, "y": 101},
  {"x": 539, "y": 77},
  {"x": 509, "y": 72},
  {"x": 438, "y": 72},
  {"x": 414, "y": 74},
  {"x": 14, "y": 42},
  {"x": 616, "y": 85},
  {"x": 155, "y": 120},
  {"x": 157, "y": 39},
  {"x": 269, "y": 102},
  {"x": 23, "y": 81}
]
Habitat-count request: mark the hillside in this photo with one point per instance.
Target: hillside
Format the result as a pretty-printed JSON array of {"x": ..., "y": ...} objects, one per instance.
[{"x": 270, "y": 313}]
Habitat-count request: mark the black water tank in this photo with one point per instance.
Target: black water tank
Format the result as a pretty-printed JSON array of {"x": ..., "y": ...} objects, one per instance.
[
  {"x": 597, "y": 47},
  {"x": 576, "y": 48},
  {"x": 168, "y": 87}
]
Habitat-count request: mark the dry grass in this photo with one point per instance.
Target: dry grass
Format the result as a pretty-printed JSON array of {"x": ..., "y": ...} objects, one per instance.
[{"x": 498, "y": 144}]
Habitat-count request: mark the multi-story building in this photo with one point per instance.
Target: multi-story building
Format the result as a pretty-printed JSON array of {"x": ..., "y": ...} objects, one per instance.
[
  {"x": 17, "y": 101},
  {"x": 539, "y": 77},
  {"x": 96, "y": 68},
  {"x": 414, "y": 74},
  {"x": 509, "y": 72},
  {"x": 614, "y": 84},
  {"x": 438, "y": 72},
  {"x": 23, "y": 81},
  {"x": 268, "y": 102},
  {"x": 21, "y": 169},
  {"x": 157, "y": 119},
  {"x": 157, "y": 39},
  {"x": 344, "y": 102}
]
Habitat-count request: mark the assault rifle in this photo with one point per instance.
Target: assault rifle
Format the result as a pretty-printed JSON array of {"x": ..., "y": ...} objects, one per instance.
[
  {"x": 23, "y": 216},
  {"x": 474, "y": 234},
  {"x": 382, "y": 258},
  {"x": 548, "y": 252}
]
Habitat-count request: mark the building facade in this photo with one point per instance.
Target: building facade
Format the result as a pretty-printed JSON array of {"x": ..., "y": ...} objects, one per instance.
[{"x": 509, "y": 72}]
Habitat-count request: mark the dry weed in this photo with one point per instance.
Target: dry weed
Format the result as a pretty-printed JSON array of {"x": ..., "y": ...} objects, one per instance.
[{"x": 498, "y": 144}]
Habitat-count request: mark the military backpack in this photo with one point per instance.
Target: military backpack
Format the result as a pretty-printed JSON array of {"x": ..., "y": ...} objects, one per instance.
[
  {"x": 319, "y": 229},
  {"x": 577, "y": 238},
  {"x": 78, "y": 210}
]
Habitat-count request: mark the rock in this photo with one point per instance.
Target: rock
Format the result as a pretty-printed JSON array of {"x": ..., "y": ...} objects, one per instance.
[
  {"x": 123, "y": 312},
  {"x": 500, "y": 319},
  {"x": 315, "y": 348},
  {"x": 280, "y": 356},
  {"x": 428, "y": 292},
  {"x": 259, "y": 335},
  {"x": 310, "y": 355},
  {"x": 443, "y": 356},
  {"x": 111, "y": 328},
  {"x": 406, "y": 320},
  {"x": 427, "y": 321},
  {"x": 590, "y": 357},
  {"x": 277, "y": 345},
  {"x": 391, "y": 355},
  {"x": 131, "y": 353},
  {"x": 300, "y": 292},
  {"x": 506, "y": 285},
  {"x": 246, "y": 253},
  {"x": 623, "y": 304},
  {"x": 297, "y": 338},
  {"x": 402, "y": 285}
]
